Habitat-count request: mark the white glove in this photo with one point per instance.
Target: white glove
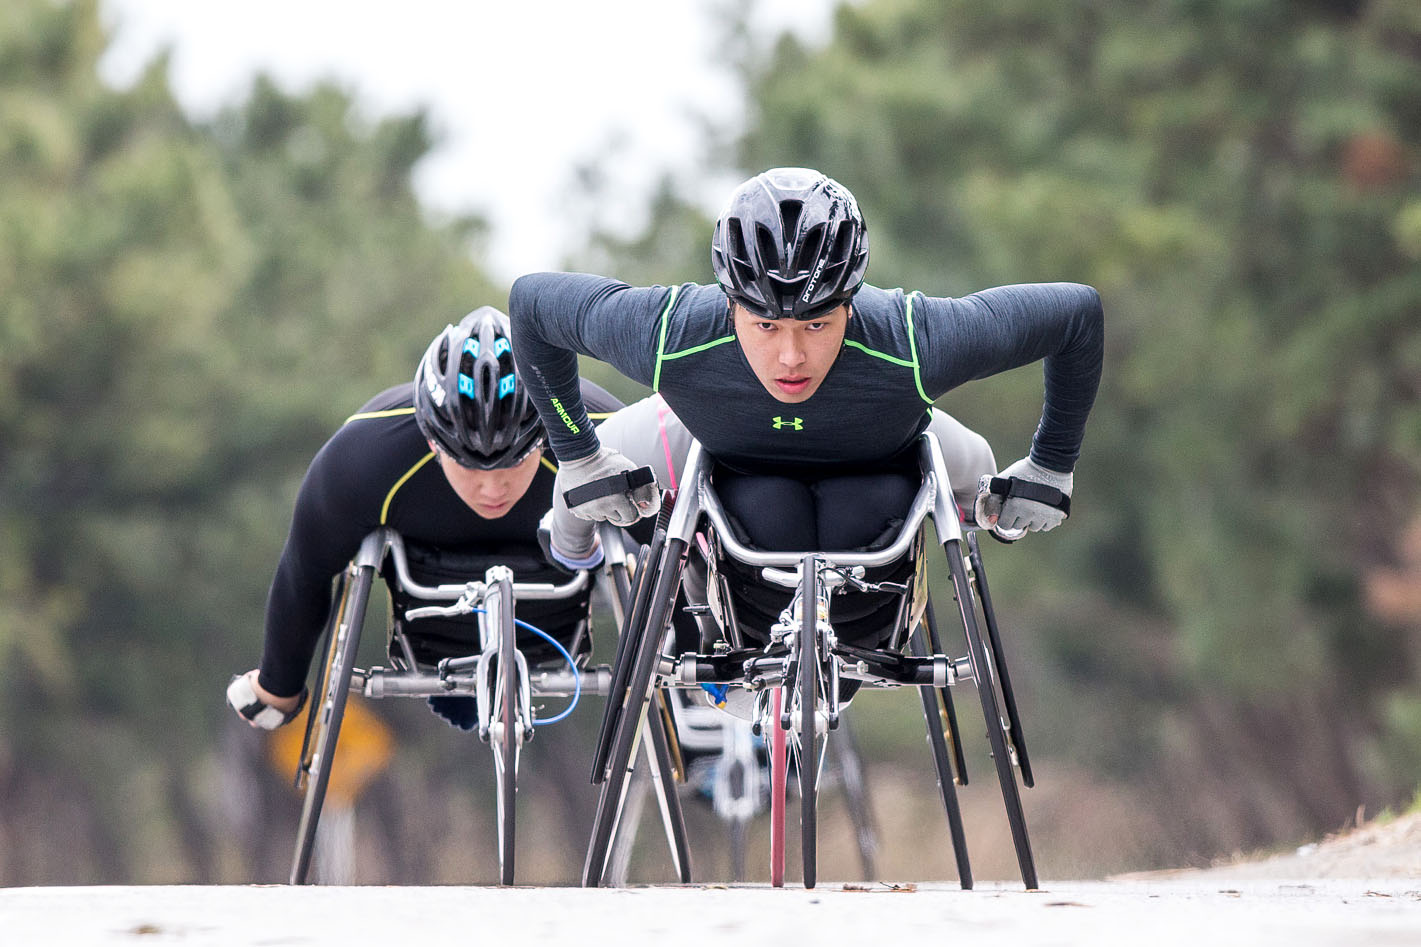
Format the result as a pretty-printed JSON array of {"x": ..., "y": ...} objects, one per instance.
[
  {"x": 242, "y": 697},
  {"x": 621, "y": 507},
  {"x": 1012, "y": 516}
]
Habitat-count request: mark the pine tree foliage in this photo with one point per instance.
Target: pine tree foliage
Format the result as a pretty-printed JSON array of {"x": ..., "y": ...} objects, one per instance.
[{"x": 186, "y": 312}]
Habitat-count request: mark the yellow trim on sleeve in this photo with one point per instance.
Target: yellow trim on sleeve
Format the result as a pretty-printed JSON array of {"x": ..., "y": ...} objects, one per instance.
[
  {"x": 385, "y": 510},
  {"x": 392, "y": 413},
  {"x": 549, "y": 464}
]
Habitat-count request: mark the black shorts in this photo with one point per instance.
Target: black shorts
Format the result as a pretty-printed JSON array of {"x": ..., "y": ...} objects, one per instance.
[{"x": 839, "y": 513}]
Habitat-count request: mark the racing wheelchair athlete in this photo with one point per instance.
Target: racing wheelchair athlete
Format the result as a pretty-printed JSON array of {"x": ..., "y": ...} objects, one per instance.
[
  {"x": 793, "y": 371},
  {"x": 438, "y": 487},
  {"x": 741, "y": 656}
]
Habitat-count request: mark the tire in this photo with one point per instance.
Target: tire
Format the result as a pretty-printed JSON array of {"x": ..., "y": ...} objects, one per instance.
[
  {"x": 779, "y": 765},
  {"x": 807, "y": 686},
  {"x": 982, "y": 670},
  {"x": 942, "y": 767},
  {"x": 999, "y": 663},
  {"x": 659, "y": 778},
  {"x": 946, "y": 744},
  {"x": 498, "y": 606},
  {"x": 669, "y": 800},
  {"x": 949, "y": 711},
  {"x": 643, "y": 650},
  {"x": 635, "y": 602},
  {"x": 327, "y": 715}
]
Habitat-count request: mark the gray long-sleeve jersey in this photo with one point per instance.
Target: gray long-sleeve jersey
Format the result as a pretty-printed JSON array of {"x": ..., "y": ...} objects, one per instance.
[{"x": 901, "y": 351}]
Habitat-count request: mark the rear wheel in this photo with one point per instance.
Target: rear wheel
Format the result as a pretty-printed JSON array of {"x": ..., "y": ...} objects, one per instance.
[
  {"x": 625, "y": 714},
  {"x": 936, "y": 722},
  {"x": 983, "y": 666},
  {"x": 946, "y": 746},
  {"x": 999, "y": 663},
  {"x": 660, "y": 729},
  {"x": 327, "y": 714}
]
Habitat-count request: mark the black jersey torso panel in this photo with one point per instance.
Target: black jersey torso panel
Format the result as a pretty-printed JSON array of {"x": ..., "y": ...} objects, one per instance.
[
  {"x": 868, "y": 407},
  {"x": 378, "y": 470},
  {"x": 900, "y": 351}
]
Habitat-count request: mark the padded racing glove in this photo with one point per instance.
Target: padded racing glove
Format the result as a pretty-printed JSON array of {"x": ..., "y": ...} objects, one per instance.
[
  {"x": 242, "y": 697},
  {"x": 1037, "y": 499},
  {"x": 595, "y": 477}
]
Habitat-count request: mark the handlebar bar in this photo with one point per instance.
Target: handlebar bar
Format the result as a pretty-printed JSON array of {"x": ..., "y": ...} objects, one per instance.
[{"x": 384, "y": 538}]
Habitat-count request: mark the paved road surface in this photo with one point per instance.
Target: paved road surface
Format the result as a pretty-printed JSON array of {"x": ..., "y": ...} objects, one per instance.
[{"x": 1153, "y": 913}]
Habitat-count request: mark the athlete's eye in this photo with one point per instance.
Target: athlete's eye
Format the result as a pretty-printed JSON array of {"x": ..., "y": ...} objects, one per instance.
[
  {"x": 815, "y": 326},
  {"x": 765, "y": 326}
]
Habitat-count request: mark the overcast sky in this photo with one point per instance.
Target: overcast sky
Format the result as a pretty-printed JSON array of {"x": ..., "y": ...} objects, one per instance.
[{"x": 562, "y": 80}]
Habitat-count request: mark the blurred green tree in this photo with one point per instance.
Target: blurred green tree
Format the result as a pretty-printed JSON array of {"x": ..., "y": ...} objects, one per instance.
[
  {"x": 1241, "y": 182},
  {"x": 186, "y": 312}
]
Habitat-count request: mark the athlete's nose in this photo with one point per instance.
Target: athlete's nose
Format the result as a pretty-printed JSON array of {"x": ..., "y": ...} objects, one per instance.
[{"x": 791, "y": 352}]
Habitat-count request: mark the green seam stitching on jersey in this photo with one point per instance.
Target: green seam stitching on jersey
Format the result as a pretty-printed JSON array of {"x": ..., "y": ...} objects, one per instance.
[
  {"x": 392, "y": 413},
  {"x": 913, "y": 347},
  {"x": 600, "y": 415},
  {"x": 699, "y": 348},
  {"x": 385, "y": 510},
  {"x": 661, "y": 344},
  {"x": 883, "y": 355}
]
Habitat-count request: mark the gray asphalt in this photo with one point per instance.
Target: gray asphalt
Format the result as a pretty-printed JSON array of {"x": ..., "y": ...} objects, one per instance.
[{"x": 1101, "y": 914}]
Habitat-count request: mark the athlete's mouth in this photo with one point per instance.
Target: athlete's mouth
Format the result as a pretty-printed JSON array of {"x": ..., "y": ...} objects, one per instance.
[{"x": 792, "y": 384}]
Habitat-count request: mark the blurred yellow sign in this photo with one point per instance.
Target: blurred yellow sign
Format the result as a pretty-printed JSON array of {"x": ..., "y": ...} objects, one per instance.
[{"x": 362, "y": 752}]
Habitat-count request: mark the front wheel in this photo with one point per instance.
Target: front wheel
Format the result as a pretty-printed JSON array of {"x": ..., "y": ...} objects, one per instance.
[
  {"x": 807, "y": 686},
  {"x": 498, "y": 607}
]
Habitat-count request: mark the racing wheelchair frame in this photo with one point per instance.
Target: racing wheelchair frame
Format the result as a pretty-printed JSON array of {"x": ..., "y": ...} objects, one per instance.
[
  {"x": 497, "y": 675},
  {"x": 796, "y": 673},
  {"x": 725, "y": 760}
]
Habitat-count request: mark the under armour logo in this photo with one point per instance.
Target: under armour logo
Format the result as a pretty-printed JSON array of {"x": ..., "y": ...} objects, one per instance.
[{"x": 794, "y": 424}]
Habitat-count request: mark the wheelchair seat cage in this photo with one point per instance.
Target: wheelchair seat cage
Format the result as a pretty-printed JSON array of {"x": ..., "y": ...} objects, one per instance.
[
  {"x": 496, "y": 674},
  {"x": 796, "y": 668}
]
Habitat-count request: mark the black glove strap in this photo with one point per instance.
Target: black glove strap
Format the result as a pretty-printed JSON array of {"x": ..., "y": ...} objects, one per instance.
[
  {"x": 1010, "y": 487},
  {"x": 623, "y": 482}
]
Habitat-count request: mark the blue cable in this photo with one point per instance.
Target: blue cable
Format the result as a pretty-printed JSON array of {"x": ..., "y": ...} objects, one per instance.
[{"x": 576, "y": 678}]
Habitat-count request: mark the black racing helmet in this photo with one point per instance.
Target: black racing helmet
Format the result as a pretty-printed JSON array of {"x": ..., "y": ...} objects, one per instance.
[
  {"x": 792, "y": 244},
  {"x": 469, "y": 401}
]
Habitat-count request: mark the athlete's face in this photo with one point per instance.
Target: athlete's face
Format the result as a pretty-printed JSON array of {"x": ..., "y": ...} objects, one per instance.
[
  {"x": 489, "y": 493},
  {"x": 791, "y": 357}
]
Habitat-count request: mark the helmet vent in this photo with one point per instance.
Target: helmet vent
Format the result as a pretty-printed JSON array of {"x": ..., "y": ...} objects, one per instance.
[
  {"x": 810, "y": 249},
  {"x": 790, "y": 212},
  {"x": 739, "y": 252},
  {"x": 768, "y": 247}
]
